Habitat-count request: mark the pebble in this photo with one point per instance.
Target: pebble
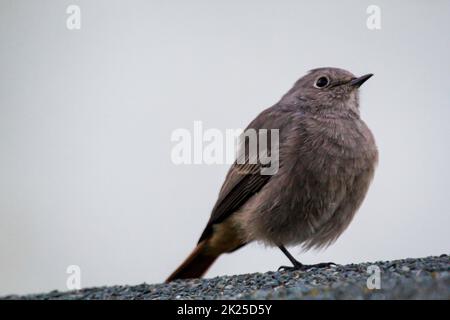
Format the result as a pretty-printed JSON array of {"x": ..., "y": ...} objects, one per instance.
[{"x": 422, "y": 278}]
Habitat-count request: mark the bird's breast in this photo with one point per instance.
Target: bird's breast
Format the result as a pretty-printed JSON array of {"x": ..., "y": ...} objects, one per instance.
[
  {"x": 326, "y": 168},
  {"x": 325, "y": 179},
  {"x": 336, "y": 147}
]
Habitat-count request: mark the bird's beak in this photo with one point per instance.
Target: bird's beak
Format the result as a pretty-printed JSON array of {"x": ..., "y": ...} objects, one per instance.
[{"x": 359, "y": 81}]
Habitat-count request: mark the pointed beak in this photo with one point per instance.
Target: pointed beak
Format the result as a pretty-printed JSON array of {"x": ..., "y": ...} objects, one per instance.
[{"x": 359, "y": 81}]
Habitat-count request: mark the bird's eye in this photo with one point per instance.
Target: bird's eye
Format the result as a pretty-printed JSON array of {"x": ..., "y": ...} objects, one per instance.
[{"x": 322, "y": 82}]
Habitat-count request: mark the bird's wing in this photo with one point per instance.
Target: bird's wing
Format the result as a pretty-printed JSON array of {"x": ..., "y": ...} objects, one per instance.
[{"x": 242, "y": 180}]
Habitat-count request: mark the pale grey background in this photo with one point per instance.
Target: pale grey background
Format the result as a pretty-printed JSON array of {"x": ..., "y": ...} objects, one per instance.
[{"x": 86, "y": 116}]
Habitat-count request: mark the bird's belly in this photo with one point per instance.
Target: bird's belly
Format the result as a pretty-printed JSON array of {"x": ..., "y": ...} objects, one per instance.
[
  {"x": 336, "y": 192},
  {"x": 315, "y": 205}
]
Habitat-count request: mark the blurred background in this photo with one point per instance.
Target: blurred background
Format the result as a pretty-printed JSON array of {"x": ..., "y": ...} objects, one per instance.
[{"x": 86, "y": 117}]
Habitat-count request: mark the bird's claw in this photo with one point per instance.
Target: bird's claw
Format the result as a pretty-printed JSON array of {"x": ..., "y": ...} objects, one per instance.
[
  {"x": 286, "y": 268},
  {"x": 304, "y": 267}
]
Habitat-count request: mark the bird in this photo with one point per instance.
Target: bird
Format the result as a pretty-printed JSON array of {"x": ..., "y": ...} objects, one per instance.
[{"x": 327, "y": 158}]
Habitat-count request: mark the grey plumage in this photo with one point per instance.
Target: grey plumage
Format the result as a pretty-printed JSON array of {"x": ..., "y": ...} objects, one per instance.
[{"x": 327, "y": 159}]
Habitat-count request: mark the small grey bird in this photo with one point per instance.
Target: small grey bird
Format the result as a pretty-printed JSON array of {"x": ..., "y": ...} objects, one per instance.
[{"x": 327, "y": 159}]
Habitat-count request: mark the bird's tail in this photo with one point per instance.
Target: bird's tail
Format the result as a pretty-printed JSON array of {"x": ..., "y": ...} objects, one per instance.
[{"x": 196, "y": 264}]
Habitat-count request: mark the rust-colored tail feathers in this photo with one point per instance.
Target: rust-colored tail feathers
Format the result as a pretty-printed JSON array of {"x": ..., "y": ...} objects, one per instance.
[{"x": 196, "y": 264}]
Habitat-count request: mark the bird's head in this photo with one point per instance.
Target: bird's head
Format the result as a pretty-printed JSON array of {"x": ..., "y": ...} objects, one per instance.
[{"x": 325, "y": 90}]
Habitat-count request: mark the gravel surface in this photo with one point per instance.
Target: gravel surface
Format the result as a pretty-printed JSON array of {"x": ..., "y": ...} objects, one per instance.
[{"x": 422, "y": 278}]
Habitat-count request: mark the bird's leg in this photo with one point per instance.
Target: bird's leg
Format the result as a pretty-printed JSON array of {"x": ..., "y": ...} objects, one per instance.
[{"x": 298, "y": 265}]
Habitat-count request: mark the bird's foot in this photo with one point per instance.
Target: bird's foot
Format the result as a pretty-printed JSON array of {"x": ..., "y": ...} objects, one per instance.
[{"x": 303, "y": 267}]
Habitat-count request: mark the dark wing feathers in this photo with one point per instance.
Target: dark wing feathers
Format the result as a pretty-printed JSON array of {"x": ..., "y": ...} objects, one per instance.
[
  {"x": 245, "y": 186},
  {"x": 242, "y": 180}
]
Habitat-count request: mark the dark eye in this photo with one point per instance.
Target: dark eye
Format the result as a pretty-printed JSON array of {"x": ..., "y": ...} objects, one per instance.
[{"x": 322, "y": 82}]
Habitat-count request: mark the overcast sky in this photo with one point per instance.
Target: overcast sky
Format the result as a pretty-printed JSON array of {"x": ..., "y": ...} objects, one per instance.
[{"x": 86, "y": 117}]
